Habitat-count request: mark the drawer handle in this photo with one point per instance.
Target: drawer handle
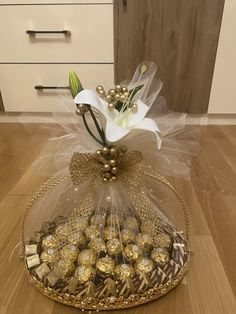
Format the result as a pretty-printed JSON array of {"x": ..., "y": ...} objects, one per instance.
[
  {"x": 42, "y": 87},
  {"x": 33, "y": 33}
]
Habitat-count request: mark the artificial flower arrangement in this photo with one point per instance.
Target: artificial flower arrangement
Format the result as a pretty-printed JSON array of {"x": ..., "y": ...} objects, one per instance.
[{"x": 103, "y": 241}]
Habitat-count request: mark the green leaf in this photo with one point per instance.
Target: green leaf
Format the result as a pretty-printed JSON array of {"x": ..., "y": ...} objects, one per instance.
[
  {"x": 133, "y": 91},
  {"x": 74, "y": 84}
]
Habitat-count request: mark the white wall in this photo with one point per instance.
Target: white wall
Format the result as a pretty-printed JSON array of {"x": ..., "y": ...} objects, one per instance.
[{"x": 223, "y": 92}]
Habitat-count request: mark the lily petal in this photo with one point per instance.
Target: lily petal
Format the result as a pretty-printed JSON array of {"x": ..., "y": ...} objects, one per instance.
[
  {"x": 138, "y": 116},
  {"x": 150, "y": 125},
  {"x": 114, "y": 132},
  {"x": 88, "y": 97}
]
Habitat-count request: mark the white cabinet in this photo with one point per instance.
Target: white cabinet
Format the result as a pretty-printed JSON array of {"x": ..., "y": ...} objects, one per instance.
[{"x": 41, "y": 41}]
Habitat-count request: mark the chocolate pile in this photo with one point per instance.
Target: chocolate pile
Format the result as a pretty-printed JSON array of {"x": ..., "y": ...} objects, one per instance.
[{"x": 104, "y": 257}]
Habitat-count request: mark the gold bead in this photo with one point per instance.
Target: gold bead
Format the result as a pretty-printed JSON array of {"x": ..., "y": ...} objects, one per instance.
[
  {"x": 102, "y": 93},
  {"x": 112, "y": 92},
  {"x": 113, "y": 150},
  {"x": 117, "y": 97},
  {"x": 110, "y": 106},
  {"x": 124, "y": 89},
  {"x": 114, "y": 170},
  {"x": 98, "y": 152},
  {"x": 105, "y": 180},
  {"x": 112, "y": 162},
  {"x": 124, "y": 148},
  {"x": 99, "y": 88},
  {"x": 126, "y": 94},
  {"x": 122, "y": 98},
  {"x": 118, "y": 88},
  {"x": 108, "y": 98},
  {"x": 134, "y": 108},
  {"x": 105, "y": 151},
  {"x": 79, "y": 112},
  {"x": 113, "y": 179},
  {"x": 107, "y": 175},
  {"x": 107, "y": 167}
]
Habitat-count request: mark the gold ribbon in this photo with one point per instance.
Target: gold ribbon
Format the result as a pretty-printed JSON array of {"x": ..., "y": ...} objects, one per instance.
[{"x": 87, "y": 169}]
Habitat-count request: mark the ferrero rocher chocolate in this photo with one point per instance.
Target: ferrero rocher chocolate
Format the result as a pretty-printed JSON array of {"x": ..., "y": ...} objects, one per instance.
[
  {"x": 113, "y": 220},
  {"x": 63, "y": 268},
  {"x": 92, "y": 232},
  {"x": 110, "y": 232},
  {"x": 49, "y": 256},
  {"x": 105, "y": 265},
  {"x": 124, "y": 271},
  {"x": 163, "y": 240},
  {"x": 160, "y": 256},
  {"x": 50, "y": 241},
  {"x": 69, "y": 252},
  {"x": 97, "y": 219},
  {"x": 131, "y": 223},
  {"x": 87, "y": 257},
  {"x": 127, "y": 236},
  {"x": 132, "y": 252},
  {"x": 145, "y": 241},
  {"x": 97, "y": 245},
  {"x": 114, "y": 247},
  {"x": 77, "y": 238},
  {"x": 84, "y": 273},
  {"x": 144, "y": 265},
  {"x": 63, "y": 231}
]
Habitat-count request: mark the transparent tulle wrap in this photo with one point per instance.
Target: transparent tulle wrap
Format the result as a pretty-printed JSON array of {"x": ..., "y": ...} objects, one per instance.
[{"x": 97, "y": 245}]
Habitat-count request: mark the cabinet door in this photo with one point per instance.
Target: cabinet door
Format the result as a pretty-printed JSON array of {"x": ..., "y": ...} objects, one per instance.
[{"x": 179, "y": 36}]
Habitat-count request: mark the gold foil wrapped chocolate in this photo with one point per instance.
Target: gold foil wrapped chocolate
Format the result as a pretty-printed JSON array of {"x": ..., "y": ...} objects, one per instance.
[
  {"x": 114, "y": 247},
  {"x": 52, "y": 279},
  {"x": 131, "y": 223},
  {"x": 145, "y": 241},
  {"x": 110, "y": 232},
  {"x": 50, "y": 241},
  {"x": 105, "y": 266},
  {"x": 132, "y": 252},
  {"x": 87, "y": 258},
  {"x": 32, "y": 260},
  {"x": 49, "y": 256},
  {"x": 163, "y": 240},
  {"x": 69, "y": 252},
  {"x": 124, "y": 271},
  {"x": 84, "y": 273},
  {"x": 42, "y": 270},
  {"x": 97, "y": 245},
  {"x": 160, "y": 256},
  {"x": 113, "y": 220},
  {"x": 63, "y": 231},
  {"x": 63, "y": 268},
  {"x": 30, "y": 249},
  {"x": 98, "y": 219},
  {"x": 127, "y": 236},
  {"x": 144, "y": 265},
  {"x": 77, "y": 238},
  {"x": 92, "y": 232}
]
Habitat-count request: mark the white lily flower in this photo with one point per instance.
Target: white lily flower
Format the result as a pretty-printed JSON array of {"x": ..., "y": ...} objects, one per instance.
[{"x": 123, "y": 123}]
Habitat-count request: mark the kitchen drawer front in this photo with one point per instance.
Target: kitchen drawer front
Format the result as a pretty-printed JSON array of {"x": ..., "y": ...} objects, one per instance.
[
  {"x": 91, "y": 38},
  {"x": 53, "y": 1},
  {"x": 17, "y": 83}
]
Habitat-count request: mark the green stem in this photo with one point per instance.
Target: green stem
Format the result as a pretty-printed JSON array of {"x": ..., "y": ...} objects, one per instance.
[
  {"x": 100, "y": 131},
  {"x": 89, "y": 131}
]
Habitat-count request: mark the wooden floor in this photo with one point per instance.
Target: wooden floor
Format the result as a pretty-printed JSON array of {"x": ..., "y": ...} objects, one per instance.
[{"x": 210, "y": 285}]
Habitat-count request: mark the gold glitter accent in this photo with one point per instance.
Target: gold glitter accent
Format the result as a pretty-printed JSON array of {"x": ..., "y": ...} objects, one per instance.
[{"x": 124, "y": 271}]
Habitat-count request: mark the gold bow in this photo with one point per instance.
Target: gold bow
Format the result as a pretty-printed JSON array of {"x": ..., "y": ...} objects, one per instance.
[{"x": 88, "y": 169}]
